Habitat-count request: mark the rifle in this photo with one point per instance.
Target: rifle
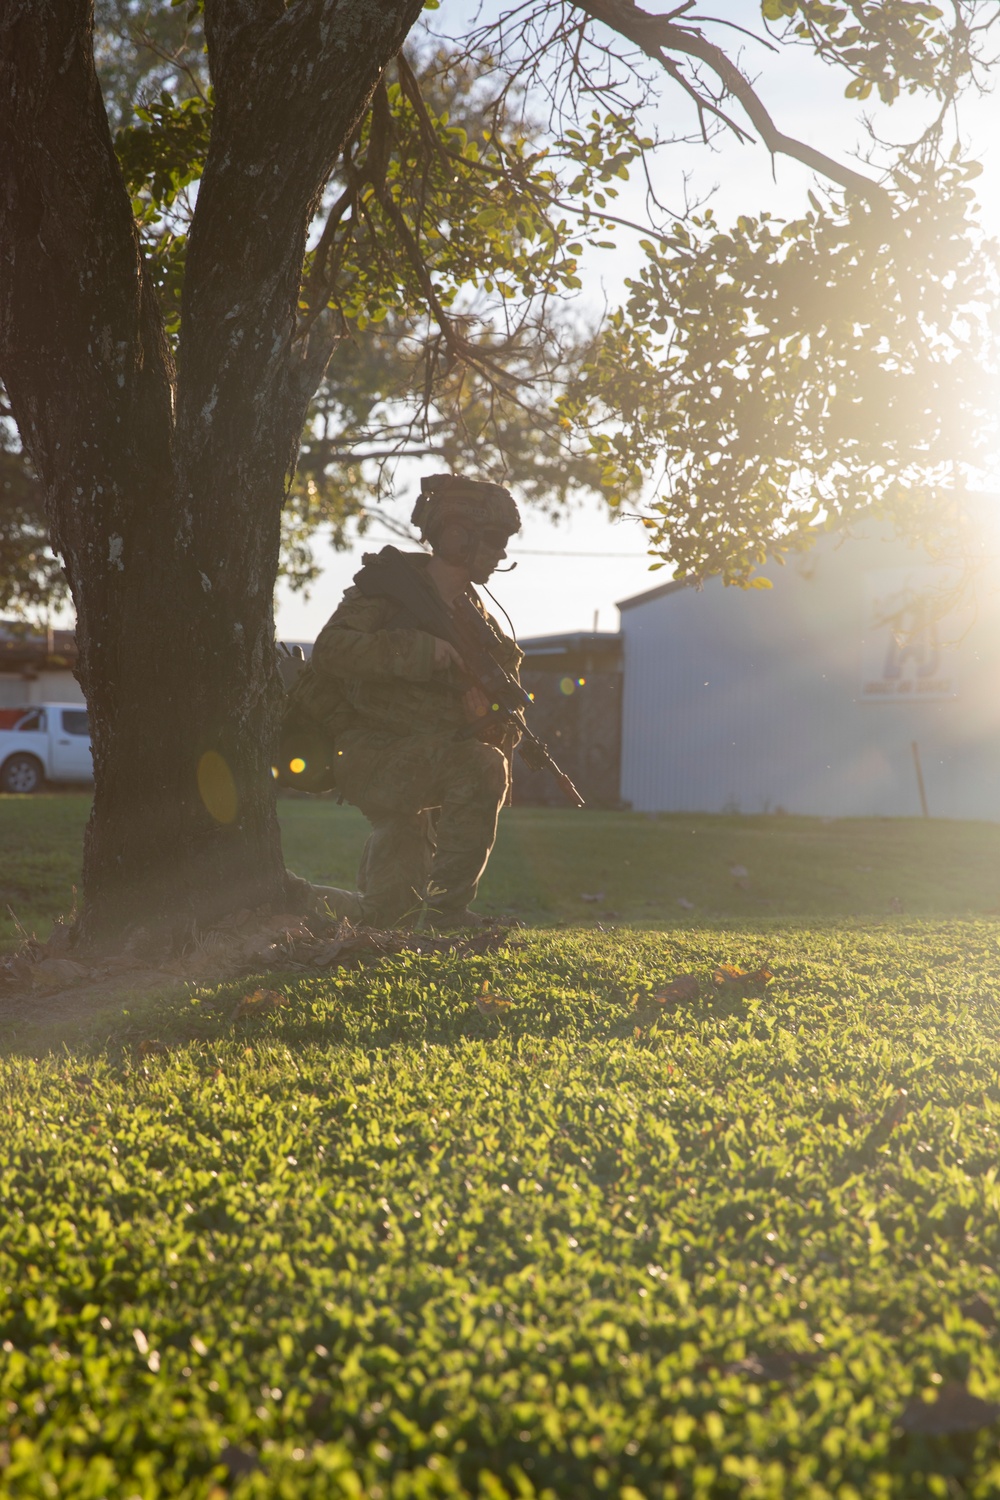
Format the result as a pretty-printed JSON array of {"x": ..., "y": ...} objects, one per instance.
[{"x": 390, "y": 575}]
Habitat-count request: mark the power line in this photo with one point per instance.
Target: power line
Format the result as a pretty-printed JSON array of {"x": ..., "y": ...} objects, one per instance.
[
  {"x": 613, "y": 556},
  {"x": 544, "y": 552}
]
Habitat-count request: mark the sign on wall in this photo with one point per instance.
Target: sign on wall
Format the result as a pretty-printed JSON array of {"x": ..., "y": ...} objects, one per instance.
[{"x": 911, "y": 631}]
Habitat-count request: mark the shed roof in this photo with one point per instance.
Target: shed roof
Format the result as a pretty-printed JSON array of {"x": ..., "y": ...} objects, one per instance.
[
  {"x": 648, "y": 595},
  {"x": 572, "y": 641}
]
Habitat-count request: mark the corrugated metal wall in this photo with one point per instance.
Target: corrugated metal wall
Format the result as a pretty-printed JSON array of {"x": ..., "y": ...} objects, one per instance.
[{"x": 755, "y": 700}]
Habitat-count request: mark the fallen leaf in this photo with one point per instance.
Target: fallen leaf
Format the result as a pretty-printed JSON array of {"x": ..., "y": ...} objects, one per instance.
[
  {"x": 599, "y": 896},
  {"x": 955, "y": 1410},
  {"x": 491, "y": 1005},
  {"x": 261, "y": 1001},
  {"x": 684, "y": 987},
  {"x": 728, "y": 976},
  {"x": 152, "y": 1049}
]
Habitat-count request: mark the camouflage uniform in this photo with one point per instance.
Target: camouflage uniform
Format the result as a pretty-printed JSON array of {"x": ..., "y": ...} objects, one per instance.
[{"x": 431, "y": 790}]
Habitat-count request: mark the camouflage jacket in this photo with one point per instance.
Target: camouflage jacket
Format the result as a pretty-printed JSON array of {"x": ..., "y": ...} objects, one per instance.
[{"x": 369, "y": 670}]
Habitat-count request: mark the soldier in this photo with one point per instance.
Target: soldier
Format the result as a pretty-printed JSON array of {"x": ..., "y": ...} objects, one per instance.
[{"x": 394, "y": 700}]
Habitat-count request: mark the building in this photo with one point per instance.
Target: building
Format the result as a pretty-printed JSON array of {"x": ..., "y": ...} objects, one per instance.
[
  {"x": 576, "y": 683},
  {"x": 824, "y": 694},
  {"x": 36, "y": 667}
]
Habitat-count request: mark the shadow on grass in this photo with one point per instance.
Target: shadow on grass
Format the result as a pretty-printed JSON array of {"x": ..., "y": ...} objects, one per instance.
[
  {"x": 573, "y": 985},
  {"x": 576, "y": 985}
]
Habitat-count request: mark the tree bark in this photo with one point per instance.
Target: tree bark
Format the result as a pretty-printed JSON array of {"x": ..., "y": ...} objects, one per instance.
[{"x": 164, "y": 490}]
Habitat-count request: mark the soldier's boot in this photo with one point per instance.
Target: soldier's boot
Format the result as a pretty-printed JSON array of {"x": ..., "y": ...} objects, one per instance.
[
  {"x": 322, "y": 900},
  {"x": 466, "y": 832}
]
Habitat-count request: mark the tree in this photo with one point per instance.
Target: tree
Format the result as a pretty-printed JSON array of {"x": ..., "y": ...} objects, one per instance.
[
  {"x": 160, "y": 375},
  {"x": 375, "y": 405}
]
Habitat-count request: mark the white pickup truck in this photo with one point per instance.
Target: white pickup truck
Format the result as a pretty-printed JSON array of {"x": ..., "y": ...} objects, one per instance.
[{"x": 50, "y": 743}]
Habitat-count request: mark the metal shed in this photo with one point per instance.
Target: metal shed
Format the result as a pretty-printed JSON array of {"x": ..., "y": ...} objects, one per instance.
[
  {"x": 811, "y": 696},
  {"x": 576, "y": 682}
]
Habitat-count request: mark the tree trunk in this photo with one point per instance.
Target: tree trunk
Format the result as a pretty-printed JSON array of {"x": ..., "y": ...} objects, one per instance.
[{"x": 164, "y": 495}]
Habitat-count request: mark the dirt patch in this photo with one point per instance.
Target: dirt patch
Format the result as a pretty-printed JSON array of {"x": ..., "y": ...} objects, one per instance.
[{"x": 54, "y": 982}]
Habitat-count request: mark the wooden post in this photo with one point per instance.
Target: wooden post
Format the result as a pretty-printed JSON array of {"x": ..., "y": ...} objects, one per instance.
[{"x": 920, "y": 777}]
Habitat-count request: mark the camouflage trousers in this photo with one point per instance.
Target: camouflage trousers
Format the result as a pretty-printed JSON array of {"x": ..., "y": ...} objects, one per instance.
[{"x": 432, "y": 801}]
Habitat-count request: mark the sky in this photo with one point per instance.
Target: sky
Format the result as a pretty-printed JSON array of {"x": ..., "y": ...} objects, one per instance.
[{"x": 572, "y": 572}]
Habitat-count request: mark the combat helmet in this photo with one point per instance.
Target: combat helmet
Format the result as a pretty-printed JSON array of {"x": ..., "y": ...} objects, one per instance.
[{"x": 450, "y": 500}]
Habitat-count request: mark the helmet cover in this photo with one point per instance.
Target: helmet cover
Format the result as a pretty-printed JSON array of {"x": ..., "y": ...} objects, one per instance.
[{"x": 449, "y": 499}]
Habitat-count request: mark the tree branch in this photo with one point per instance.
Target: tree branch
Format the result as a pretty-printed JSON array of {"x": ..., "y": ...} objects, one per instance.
[
  {"x": 231, "y": 24},
  {"x": 287, "y": 102},
  {"x": 318, "y": 284},
  {"x": 658, "y": 35}
]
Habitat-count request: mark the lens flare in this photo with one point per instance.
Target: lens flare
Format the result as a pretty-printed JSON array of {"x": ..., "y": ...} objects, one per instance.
[
  {"x": 297, "y": 766},
  {"x": 567, "y": 686},
  {"x": 217, "y": 788}
]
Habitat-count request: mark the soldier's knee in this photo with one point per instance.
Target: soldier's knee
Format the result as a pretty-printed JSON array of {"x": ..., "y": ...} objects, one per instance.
[{"x": 489, "y": 766}]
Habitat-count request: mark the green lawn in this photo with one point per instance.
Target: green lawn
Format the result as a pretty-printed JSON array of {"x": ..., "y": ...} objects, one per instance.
[
  {"x": 374, "y": 1243},
  {"x": 546, "y": 860}
]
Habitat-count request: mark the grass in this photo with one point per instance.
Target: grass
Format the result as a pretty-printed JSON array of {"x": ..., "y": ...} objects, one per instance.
[
  {"x": 41, "y": 841},
  {"x": 546, "y": 860},
  {"x": 373, "y": 1243}
]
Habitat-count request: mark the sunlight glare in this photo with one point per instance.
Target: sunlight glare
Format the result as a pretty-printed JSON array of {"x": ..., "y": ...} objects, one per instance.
[{"x": 217, "y": 788}]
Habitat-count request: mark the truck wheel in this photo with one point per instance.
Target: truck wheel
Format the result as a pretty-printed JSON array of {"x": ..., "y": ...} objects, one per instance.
[{"x": 21, "y": 773}]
